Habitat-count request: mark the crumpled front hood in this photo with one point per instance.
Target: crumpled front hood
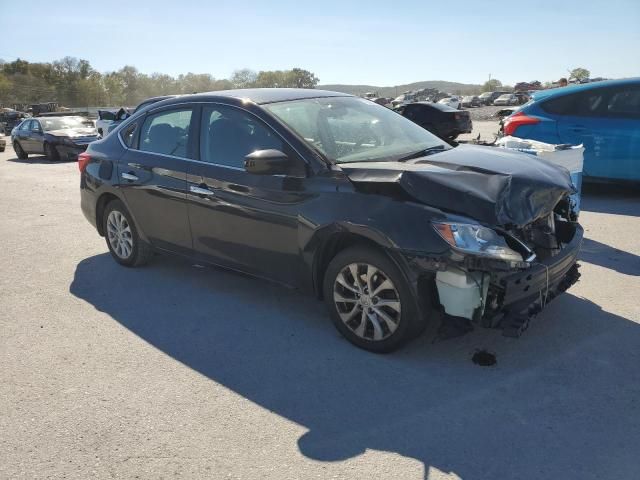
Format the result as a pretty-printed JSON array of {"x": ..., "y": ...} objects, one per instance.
[
  {"x": 74, "y": 132},
  {"x": 491, "y": 185}
]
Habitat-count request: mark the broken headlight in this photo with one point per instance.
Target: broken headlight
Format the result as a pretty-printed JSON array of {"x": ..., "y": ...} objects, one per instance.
[{"x": 477, "y": 240}]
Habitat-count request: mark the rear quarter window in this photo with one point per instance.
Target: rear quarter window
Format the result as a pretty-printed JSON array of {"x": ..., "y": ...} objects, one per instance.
[
  {"x": 588, "y": 103},
  {"x": 624, "y": 103},
  {"x": 128, "y": 134}
]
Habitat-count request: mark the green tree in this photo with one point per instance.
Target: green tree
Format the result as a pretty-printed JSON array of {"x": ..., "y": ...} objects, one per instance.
[
  {"x": 580, "y": 73},
  {"x": 299, "y": 78},
  {"x": 5, "y": 87},
  {"x": 243, "y": 78},
  {"x": 491, "y": 85}
]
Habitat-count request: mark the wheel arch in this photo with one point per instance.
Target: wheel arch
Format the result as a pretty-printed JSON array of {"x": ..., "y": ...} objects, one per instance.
[
  {"x": 101, "y": 205},
  {"x": 338, "y": 240}
]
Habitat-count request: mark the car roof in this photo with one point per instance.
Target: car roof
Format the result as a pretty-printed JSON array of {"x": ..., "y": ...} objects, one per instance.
[
  {"x": 266, "y": 95},
  {"x": 557, "y": 92},
  {"x": 438, "y": 106}
]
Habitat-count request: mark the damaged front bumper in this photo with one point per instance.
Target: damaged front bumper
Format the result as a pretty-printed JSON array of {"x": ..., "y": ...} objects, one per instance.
[
  {"x": 502, "y": 298},
  {"x": 519, "y": 296}
]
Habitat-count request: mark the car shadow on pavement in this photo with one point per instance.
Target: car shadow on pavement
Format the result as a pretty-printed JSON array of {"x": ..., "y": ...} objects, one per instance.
[
  {"x": 560, "y": 403},
  {"x": 37, "y": 160},
  {"x": 611, "y": 198},
  {"x": 607, "y": 256}
]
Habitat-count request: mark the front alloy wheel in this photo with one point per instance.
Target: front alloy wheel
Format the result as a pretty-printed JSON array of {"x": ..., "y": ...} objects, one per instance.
[
  {"x": 371, "y": 302},
  {"x": 367, "y": 301}
]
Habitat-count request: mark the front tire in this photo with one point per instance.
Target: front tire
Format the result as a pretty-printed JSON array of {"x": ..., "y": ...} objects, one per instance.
[
  {"x": 123, "y": 241},
  {"x": 20, "y": 153},
  {"x": 370, "y": 300},
  {"x": 51, "y": 153}
]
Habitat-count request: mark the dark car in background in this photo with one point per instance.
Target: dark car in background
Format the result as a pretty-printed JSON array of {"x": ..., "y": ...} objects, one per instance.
[
  {"x": 487, "y": 98},
  {"x": 603, "y": 116},
  {"x": 63, "y": 137},
  {"x": 441, "y": 120},
  {"x": 339, "y": 196},
  {"x": 470, "y": 101},
  {"x": 9, "y": 119}
]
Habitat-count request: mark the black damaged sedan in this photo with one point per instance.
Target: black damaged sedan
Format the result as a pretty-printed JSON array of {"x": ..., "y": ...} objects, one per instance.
[
  {"x": 397, "y": 231},
  {"x": 63, "y": 137}
]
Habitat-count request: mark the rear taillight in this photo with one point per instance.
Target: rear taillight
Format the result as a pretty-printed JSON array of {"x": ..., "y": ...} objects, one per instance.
[
  {"x": 83, "y": 160},
  {"x": 516, "y": 120}
]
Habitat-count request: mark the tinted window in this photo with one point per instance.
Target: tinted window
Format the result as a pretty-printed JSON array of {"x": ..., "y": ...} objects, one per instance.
[
  {"x": 580, "y": 104},
  {"x": 229, "y": 134},
  {"x": 624, "y": 102},
  {"x": 128, "y": 134},
  {"x": 166, "y": 133}
]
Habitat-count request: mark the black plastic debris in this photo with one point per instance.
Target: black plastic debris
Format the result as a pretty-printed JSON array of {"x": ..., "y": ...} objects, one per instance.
[{"x": 484, "y": 358}]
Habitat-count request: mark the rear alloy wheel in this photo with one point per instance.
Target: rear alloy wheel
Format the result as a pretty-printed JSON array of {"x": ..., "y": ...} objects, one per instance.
[
  {"x": 370, "y": 300},
  {"x": 123, "y": 241},
  {"x": 51, "y": 153},
  {"x": 20, "y": 153}
]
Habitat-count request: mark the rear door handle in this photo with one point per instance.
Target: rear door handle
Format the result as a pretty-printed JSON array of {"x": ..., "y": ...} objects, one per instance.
[
  {"x": 129, "y": 176},
  {"x": 578, "y": 128},
  {"x": 205, "y": 192}
]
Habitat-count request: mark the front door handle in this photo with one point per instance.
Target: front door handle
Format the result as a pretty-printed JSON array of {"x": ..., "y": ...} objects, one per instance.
[
  {"x": 129, "y": 176},
  {"x": 201, "y": 191}
]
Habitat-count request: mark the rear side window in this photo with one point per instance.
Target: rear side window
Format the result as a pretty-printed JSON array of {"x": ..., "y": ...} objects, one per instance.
[
  {"x": 624, "y": 102},
  {"x": 589, "y": 103},
  {"x": 229, "y": 134},
  {"x": 26, "y": 125},
  {"x": 166, "y": 133}
]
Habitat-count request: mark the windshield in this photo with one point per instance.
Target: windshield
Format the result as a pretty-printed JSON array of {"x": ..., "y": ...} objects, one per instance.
[
  {"x": 349, "y": 129},
  {"x": 59, "y": 123}
]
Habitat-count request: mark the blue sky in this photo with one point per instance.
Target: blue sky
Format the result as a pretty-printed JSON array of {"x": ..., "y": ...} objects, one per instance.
[{"x": 374, "y": 42}]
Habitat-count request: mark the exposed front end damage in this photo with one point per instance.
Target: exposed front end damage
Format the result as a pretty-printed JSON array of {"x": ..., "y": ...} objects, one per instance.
[
  {"x": 507, "y": 218},
  {"x": 507, "y": 295}
]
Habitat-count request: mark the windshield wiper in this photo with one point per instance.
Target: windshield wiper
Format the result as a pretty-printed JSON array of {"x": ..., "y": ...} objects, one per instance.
[{"x": 423, "y": 153}]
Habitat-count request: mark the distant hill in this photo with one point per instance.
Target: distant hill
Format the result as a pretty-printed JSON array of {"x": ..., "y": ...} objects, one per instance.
[{"x": 449, "y": 87}]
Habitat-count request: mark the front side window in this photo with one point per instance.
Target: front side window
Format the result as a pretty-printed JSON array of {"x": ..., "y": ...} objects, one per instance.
[
  {"x": 228, "y": 134},
  {"x": 350, "y": 129},
  {"x": 26, "y": 125},
  {"x": 166, "y": 133}
]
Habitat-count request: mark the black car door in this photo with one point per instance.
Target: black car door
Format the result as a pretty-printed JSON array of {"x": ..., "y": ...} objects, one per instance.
[
  {"x": 240, "y": 220},
  {"x": 23, "y": 135},
  {"x": 152, "y": 176}
]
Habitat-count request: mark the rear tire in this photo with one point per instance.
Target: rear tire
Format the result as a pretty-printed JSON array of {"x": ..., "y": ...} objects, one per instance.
[
  {"x": 20, "y": 153},
  {"x": 51, "y": 152},
  {"x": 370, "y": 300},
  {"x": 123, "y": 241}
]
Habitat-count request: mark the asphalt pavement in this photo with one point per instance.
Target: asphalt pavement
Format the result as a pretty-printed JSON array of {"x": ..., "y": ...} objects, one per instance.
[{"x": 175, "y": 370}]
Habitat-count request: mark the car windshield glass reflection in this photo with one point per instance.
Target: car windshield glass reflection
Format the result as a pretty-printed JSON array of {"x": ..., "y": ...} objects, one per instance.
[
  {"x": 62, "y": 123},
  {"x": 349, "y": 129}
]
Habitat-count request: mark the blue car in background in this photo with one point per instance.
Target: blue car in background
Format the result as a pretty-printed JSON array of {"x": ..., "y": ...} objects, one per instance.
[{"x": 603, "y": 116}]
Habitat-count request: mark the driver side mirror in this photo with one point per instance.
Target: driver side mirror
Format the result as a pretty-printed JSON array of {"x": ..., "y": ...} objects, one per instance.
[{"x": 269, "y": 162}]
